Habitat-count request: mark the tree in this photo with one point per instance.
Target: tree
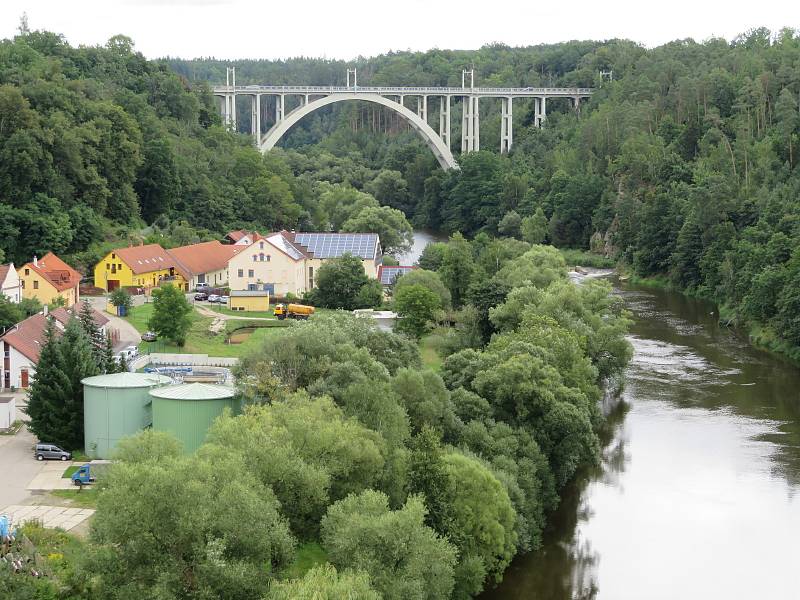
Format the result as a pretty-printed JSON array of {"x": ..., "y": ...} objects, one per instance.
[
  {"x": 171, "y": 316},
  {"x": 427, "y": 279},
  {"x": 481, "y": 522},
  {"x": 534, "y": 227},
  {"x": 95, "y": 336},
  {"x": 10, "y": 313},
  {"x": 510, "y": 224},
  {"x": 170, "y": 528},
  {"x": 390, "y": 224},
  {"x": 120, "y": 298},
  {"x": 146, "y": 446},
  {"x": 324, "y": 583},
  {"x": 340, "y": 282},
  {"x": 416, "y": 306},
  {"x": 55, "y": 398},
  {"x": 390, "y": 189},
  {"x": 30, "y": 306},
  {"x": 457, "y": 268},
  {"x": 404, "y": 558}
]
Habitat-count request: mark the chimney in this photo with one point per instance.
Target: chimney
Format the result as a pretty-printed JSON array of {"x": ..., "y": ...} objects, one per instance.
[{"x": 35, "y": 261}]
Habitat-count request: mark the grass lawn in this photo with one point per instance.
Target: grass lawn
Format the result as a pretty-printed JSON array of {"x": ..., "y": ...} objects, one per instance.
[
  {"x": 430, "y": 354},
  {"x": 85, "y": 497},
  {"x": 199, "y": 339},
  {"x": 309, "y": 555},
  {"x": 69, "y": 472}
]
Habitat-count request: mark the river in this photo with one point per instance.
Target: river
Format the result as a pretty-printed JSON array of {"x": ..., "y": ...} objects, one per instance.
[
  {"x": 697, "y": 496},
  {"x": 422, "y": 238}
]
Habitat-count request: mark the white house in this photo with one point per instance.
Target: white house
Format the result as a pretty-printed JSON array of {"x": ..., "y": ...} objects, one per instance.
[
  {"x": 10, "y": 285},
  {"x": 23, "y": 342},
  {"x": 288, "y": 262}
]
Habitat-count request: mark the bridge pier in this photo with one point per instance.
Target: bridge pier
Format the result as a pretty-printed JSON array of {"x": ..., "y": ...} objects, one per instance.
[
  {"x": 444, "y": 119},
  {"x": 539, "y": 110},
  {"x": 255, "y": 116},
  {"x": 422, "y": 108},
  {"x": 279, "y": 99},
  {"x": 471, "y": 126},
  {"x": 506, "y": 126}
]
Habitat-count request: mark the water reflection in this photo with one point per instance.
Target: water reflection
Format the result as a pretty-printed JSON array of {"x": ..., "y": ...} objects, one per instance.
[{"x": 696, "y": 493}]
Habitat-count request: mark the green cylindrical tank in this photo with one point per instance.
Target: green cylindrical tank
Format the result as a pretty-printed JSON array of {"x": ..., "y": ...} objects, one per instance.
[
  {"x": 187, "y": 410},
  {"x": 116, "y": 405}
]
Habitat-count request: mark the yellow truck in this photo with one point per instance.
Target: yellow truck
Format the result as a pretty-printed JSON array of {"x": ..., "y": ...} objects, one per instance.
[{"x": 293, "y": 311}]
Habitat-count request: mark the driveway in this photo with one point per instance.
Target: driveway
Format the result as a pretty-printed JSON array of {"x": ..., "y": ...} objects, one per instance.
[
  {"x": 17, "y": 466},
  {"x": 128, "y": 335}
]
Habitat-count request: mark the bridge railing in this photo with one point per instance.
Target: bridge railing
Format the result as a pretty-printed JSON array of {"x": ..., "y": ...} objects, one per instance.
[{"x": 393, "y": 91}]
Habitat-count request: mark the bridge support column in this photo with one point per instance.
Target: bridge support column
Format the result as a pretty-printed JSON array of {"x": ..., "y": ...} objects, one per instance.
[
  {"x": 444, "y": 120},
  {"x": 422, "y": 108},
  {"x": 279, "y": 108},
  {"x": 229, "y": 115},
  {"x": 255, "y": 116},
  {"x": 576, "y": 104},
  {"x": 471, "y": 126},
  {"x": 539, "y": 110},
  {"x": 506, "y": 126}
]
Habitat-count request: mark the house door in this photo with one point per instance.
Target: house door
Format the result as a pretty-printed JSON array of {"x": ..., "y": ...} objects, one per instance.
[
  {"x": 23, "y": 375},
  {"x": 112, "y": 284}
]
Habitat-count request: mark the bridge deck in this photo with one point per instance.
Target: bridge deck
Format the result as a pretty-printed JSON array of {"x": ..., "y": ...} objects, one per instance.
[{"x": 528, "y": 92}]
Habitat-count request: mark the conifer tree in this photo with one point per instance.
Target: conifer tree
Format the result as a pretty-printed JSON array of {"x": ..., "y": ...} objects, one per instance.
[
  {"x": 110, "y": 364},
  {"x": 96, "y": 337},
  {"x": 47, "y": 396},
  {"x": 78, "y": 362}
]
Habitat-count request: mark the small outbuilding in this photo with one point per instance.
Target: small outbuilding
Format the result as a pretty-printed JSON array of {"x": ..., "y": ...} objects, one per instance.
[
  {"x": 187, "y": 410},
  {"x": 114, "y": 406},
  {"x": 8, "y": 411},
  {"x": 249, "y": 300}
]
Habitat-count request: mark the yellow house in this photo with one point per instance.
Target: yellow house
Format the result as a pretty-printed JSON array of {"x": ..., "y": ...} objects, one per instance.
[
  {"x": 138, "y": 266},
  {"x": 48, "y": 278},
  {"x": 249, "y": 300}
]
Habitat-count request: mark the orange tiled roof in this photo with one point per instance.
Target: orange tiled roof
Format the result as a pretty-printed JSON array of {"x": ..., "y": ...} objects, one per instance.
[
  {"x": 60, "y": 275},
  {"x": 4, "y": 271},
  {"x": 204, "y": 257},
  {"x": 147, "y": 258},
  {"x": 27, "y": 336}
]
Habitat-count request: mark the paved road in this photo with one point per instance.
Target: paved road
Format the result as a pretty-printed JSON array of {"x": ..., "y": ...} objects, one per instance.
[
  {"x": 128, "y": 335},
  {"x": 17, "y": 467}
]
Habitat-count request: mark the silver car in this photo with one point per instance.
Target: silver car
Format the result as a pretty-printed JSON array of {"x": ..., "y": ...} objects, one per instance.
[{"x": 51, "y": 452}]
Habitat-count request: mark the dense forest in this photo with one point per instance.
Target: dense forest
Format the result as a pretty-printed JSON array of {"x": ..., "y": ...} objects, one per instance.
[{"x": 682, "y": 167}]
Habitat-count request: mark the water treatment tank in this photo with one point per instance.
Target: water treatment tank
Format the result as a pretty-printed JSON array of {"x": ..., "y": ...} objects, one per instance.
[
  {"x": 187, "y": 410},
  {"x": 116, "y": 405}
]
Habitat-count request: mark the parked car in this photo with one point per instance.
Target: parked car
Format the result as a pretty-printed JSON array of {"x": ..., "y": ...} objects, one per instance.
[
  {"x": 51, "y": 452},
  {"x": 224, "y": 300},
  {"x": 213, "y": 298},
  {"x": 149, "y": 336},
  {"x": 201, "y": 296},
  {"x": 202, "y": 287}
]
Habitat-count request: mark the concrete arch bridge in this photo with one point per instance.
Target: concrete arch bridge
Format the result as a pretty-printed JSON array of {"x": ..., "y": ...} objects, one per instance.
[{"x": 312, "y": 98}]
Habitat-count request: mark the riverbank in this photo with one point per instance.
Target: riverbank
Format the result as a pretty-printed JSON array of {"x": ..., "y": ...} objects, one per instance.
[{"x": 760, "y": 336}]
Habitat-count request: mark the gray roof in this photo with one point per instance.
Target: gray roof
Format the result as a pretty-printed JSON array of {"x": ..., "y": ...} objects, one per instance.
[
  {"x": 333, "y": 245},
  {"x": 194, "y": 391},
  {"x": 126, "y": 380},
  {"x": 389, "y": 274},
  {"x": 257, "y": 293},
  {"x": 280, "y": 242}
]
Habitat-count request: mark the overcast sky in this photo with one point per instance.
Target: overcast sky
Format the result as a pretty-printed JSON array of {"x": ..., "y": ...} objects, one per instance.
[{"x": 347, "y": 28}]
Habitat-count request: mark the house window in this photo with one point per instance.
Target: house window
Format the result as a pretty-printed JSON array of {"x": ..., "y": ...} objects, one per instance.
[
  {"x": 250, "y": 273},
  {"x": 22, "y": 283},
  {"x": 201, "y": 278},
  {"x": 261, "y": 245},
  {"x": 27, "y": 271},
  {"x": 268, "y": 257},
  {"x": 241, "y": 272},
  {"x": 35, "y": 284},
  {"x": 261, "y": 257},
  {"x": 113, "y": 256},
  {"x": 108, "y": 266},
  {"x": 252, "y": 287},
  {"x": 255, "y": 257}
]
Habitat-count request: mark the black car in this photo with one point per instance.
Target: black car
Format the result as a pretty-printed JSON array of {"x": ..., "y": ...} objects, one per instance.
[{"x": 201, "y": 296}]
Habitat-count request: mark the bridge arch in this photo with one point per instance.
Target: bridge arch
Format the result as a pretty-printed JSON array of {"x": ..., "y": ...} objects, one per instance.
[{"x": 431, "y": 138}]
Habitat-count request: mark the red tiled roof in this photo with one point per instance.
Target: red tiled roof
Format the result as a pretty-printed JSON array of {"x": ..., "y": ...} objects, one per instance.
[
  {"x": 27, "y": 336},
  {"x": 144, "y": 259},
  {"x": 4, "y": 271},
  {"x": 60, "y": 275},
  {"x": 63, "y": 315},
  {"x": 235, "y": 236},
  {"x": 204, "y": 257}
]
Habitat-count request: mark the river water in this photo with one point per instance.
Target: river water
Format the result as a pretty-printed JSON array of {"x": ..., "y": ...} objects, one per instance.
[
  {"x": 698, "y": 493},
  {"x": 422, "y": 238}
]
